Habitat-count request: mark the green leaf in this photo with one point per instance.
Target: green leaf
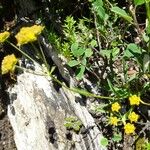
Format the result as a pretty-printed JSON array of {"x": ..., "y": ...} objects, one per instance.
[
  {"x": 74, "y": 46},
  {"x": 124, "y": 117},
  {"x": 76, "y": 128},
  {"x": 93, "y": 43},
  {"x": 68, "y": 125},
  {"x": 139, "y": 2},
  {"x": 99, "y": 2},
  {"x": 147, "y": 146},
  {"x": 132, "y": 77},
  {"x": 145, "y": 37},
  {"x": 101, "y": 12},
  {"x": 112, "y": 88},
  {"x": 128, "y": 54},
  {"x": 146, "y": 62},
  {"x": 71, "y": 119},
  {"x": 117, "y": 137},
  {"x": 115, "y": 52},
  {"x": 88, "y": 52},
  {"x": 77, "y": 125},
  {"x": 132, "y": 50},
  {"x": 147, "y": 1},
  {"x": 146, "y": 86},
  {"x": 73, "y": 123},
  {"x": 80, "y": 72},
  {"x": 73, "y": 63},
  {"x": 148, "y": 28},
  {"x": 78, "y": 52},
  {"x": 52, "y": 69},
  {"x": 121, "y": 13},
  {"x": 104, "y": 142},
  {"x": 100, "y": 108},
  {"x": 105, "y": 53},
  {"x": 98, "y": 7},
  {"x": 83, "y": 62}
]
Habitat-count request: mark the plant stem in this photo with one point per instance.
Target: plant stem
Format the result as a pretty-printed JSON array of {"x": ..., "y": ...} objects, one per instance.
[
  {"x": 107, "y": 1},
  {"x": 21, "y": 51},
  {"x": 148, "y": 11},
  {"x": 97, "y": 31},
  {"x": 37, "y": 51},
  {"x": 148, "y": 104},
  {"x": 30, "y": 71},
  {"x": 44, "y": 58},
  {"x": 136, "y": 24},
  {"x": 148, "y": 17},
  {"x": 82, "y": 92}
]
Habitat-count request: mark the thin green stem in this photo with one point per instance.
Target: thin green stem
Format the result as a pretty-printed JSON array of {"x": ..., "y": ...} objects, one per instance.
[
  {"x": 36, "y": 50},
  {"x": 30, "y": 71},
  {"x": 148, "y": 17},
  {"x": 44, "y": 58},
  {"x": 135, "y": 22},
  {"x": 80, "y": 91},
  {"x": 148, "y": 11},
  {"x": 97, "y": 31},
  {"x": 107, "y": 1},
  {"x": 21, "y": 51},
  {"x": 148, "y": 104}
]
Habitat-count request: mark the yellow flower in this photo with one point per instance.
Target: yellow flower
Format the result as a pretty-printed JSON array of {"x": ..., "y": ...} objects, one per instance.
[
  {"x": 129, "y": 128},
  {"x": 114, "y": 121},
  {"x": 25, "y": 38},
  {"x": 4, "y": 36},
  {"x": 37, "y": 29},
  {"x": 115, "y": 107},
  {"x": 28, "y": 34},
  {"x": 134, "y": 100},
  {"x": 133, "y": 117},
  {"x": 8, "y": 63}
]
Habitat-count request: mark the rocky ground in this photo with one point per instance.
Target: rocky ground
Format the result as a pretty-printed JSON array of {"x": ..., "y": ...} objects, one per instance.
[{"x": 6, "y": 132}]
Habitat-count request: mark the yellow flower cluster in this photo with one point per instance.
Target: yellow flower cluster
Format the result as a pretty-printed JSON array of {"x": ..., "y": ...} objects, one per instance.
[
  {"x": 114, "y": 121},
  {"x": 133, "y": 117},
  {"x": 129, "y": 128},
  {"x": 115, "y": 107},
  {"x": 8, "y": 63},
  {"x": 134, "y": 100},
  {"x": 4, "y": 36},
  {"x": 28, "y": 34}
]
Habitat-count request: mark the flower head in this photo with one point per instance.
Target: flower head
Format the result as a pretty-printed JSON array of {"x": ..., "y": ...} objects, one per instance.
[
  {"x": 133, "y": 117},
  {"x": 114, "y": 121},
  {"x": 8, "y": 63},
  {"x": 37, "y": 29},
  {"x": 134, "y": 100},
  {"x": 28, "y": 34},
  {"x": 4, "y": 36},
  {"x": 129, "y": 128},
  {"x": 115, "y": 107}
]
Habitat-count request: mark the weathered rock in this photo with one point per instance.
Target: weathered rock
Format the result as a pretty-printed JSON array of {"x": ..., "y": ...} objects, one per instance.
[{"x": 37, "y": 116}]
